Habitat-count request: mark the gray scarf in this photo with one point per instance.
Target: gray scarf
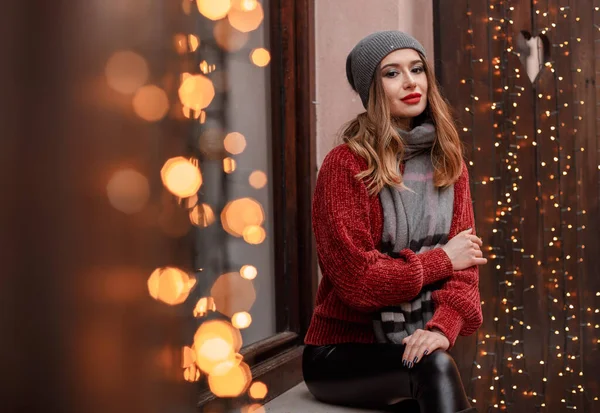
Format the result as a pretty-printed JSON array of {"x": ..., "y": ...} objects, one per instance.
[{"x": 416, "y": 217}]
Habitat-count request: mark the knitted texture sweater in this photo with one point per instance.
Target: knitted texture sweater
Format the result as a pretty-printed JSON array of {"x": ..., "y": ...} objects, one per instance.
[{"x": 358, "y": 279}]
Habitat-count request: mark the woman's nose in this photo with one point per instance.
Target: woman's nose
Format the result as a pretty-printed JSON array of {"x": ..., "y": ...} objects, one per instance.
[{"x": 410, "y": 83}]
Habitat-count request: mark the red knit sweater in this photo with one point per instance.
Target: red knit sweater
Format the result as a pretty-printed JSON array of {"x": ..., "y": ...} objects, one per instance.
[{"x": 358, "y": 279}]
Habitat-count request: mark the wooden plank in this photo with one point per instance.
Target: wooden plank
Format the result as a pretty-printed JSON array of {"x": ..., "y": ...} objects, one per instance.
[
  {"x": 568, "y": 108},
  {"x": 525, "y": 226},
  {"x": 541, "y": 229},
  {"x": 453, "y": 71},
  {"x": 586, "y": 162},
  {"x": 306, "y": 159},
  {"x": 488, "y": 129},
  {"x": 285, "y": 194},
  {"x": 550, "y": 270}
]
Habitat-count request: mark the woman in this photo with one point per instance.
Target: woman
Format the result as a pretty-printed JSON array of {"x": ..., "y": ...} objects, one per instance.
[{"x": 393, "y": 222}]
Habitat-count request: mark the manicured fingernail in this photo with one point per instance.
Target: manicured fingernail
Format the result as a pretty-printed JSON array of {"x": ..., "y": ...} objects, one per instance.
[
  {"x": 415, "y": 360},
  {"x": 425, "y": 352},
  {"x": 410, "y": 364},
  {"x": 404, "y": 363}
]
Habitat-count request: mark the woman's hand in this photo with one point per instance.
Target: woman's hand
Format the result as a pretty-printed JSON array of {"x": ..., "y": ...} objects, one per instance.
[
  {"x": 421, "y": 343},
  {"x": 464, "y": 250}
]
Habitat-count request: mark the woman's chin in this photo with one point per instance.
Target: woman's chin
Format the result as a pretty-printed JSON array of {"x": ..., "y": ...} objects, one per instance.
[{"x": 410, "y": 112}]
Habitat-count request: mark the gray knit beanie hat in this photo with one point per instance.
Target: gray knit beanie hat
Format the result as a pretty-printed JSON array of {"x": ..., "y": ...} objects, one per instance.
[{"x": 363, "y": 60}]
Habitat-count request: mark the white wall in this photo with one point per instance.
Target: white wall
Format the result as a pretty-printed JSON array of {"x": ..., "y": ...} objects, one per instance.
[{"x": 339, "y": 25}]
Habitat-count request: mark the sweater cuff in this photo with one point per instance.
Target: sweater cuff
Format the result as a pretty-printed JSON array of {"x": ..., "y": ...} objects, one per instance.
[
  {"x": 448, "y": 321},
  {"x": 436, "y": 265}
]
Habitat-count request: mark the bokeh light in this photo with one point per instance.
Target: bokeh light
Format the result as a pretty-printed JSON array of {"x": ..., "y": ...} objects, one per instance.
[
  {"x": 232, "y": 384},
  {"x": 258, "y": 390},
  {"x": 213, "y": 9},
  {"x": 233, "y": 294},
  {"x": 228, "y": 38},
  {"x": 202, "y": 215},
  {"x": 128, "y": 191},
  {"x": 188, "y": 356},
  {"x": 191, "y": 201},
  {"x": 258, "y": 179},
  {"x": 260, "y": 57},
  {"x": 190, "y": 113},
  {"x": 170, "y": 285},
  {"x": 252, "y": 408},
  {"x": 196, "y": 92},
  {"x": 229, "y": 165},
  {"x": 244, "y": 5},
  {"x": 223, "y": 368},
  {"x": 240, "y": 213},
  {"x": 126, "y": 71},
  {"x": 241, "y": 320},
  {"x": 181, "y": 177},
  {"x": 180, "y": 43},
  {"x": 247, "y": 17},
  {"x": 150, "y": 103},
  {"x": 248, "y": 272},
  {"x": 254, "y": 234},
  {"x": 193, "y": 42},
  {"x": 235, "y": 143},
  {"x": 216, "y": 342},
  {"x": 191, "y": 373},
  {"x": 206, "y": 68},
  {"x": 186, "y": 6},
  {"x": 203, "y": 306},
  {"x": 185, "y": 44}
]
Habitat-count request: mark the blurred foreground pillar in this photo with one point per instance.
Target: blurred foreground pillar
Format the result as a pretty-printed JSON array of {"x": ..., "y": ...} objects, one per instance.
[{"x": 78, "y": 330}]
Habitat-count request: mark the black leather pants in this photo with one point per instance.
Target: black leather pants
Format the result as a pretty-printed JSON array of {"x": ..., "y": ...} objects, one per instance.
[{"x": 372, "y": 376}]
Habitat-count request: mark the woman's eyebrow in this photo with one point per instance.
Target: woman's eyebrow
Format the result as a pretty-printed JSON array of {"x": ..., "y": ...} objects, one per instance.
[{"x": 397, "y": 64}]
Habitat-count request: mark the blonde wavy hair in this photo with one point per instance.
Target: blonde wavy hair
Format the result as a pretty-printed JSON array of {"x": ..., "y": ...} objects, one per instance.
[{"x": 373, "y": 136}]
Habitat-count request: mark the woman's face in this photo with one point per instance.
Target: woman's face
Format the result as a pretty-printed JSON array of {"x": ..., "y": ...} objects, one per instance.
[{"x": 405, "y": 83}]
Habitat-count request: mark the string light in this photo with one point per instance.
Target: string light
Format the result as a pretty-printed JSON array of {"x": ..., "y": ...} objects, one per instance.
[{"x": 562, "y": 219}]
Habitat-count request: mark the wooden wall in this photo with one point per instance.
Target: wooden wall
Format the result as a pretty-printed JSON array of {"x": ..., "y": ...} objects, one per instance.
[{"x": 533, "y": 148}]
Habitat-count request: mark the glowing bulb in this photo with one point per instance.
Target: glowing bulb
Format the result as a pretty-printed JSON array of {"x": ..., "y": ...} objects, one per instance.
[
  {"x": 234, "y": 143},
  {"x": 202, "y": 215},
  {"x": 150, "y": 103},
  {"x": 260, "y": 57},
  {"x": 196, "y": 92},
  {"x": 181, "y": 177},
  {"x": 258, "y": 179},
  {"x": 248, "y": 272},
  {"x": 258, "y": 390},
  {"x": 229, "y": 165},
  {"x": 246, "y": 18},
  {"x": 214, "y": 9},
  {"x": 126, "y": 71},
  {"x": 241, "y": 320},
  {"x": 128, "y": 191},
  {"x": 231, "y": 384},
  {"x": 170, "y": 285}
]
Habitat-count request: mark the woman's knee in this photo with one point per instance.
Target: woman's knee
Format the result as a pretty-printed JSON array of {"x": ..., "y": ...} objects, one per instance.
[
  {"x": 438, "y": 385},
  {"x": 438, "y": 363}
]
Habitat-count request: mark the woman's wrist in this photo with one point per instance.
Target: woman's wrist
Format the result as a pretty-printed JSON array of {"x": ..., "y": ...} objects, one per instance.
[{"x": 437, "y": 330}]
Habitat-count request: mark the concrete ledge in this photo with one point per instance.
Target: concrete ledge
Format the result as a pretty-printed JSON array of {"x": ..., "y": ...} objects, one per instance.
[{"x": 299, "y": 400}]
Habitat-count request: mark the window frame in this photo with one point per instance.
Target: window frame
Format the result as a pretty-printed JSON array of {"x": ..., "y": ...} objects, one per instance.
[{"x": 276, "y": 360}]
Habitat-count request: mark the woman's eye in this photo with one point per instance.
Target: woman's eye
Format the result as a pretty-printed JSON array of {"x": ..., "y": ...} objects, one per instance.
[
  {"x": 391, "y": 74},
  {"x": 418, "y": 70}
]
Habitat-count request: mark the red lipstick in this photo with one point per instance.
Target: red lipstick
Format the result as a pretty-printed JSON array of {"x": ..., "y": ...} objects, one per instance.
[{"x": 412, "y": 99}]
